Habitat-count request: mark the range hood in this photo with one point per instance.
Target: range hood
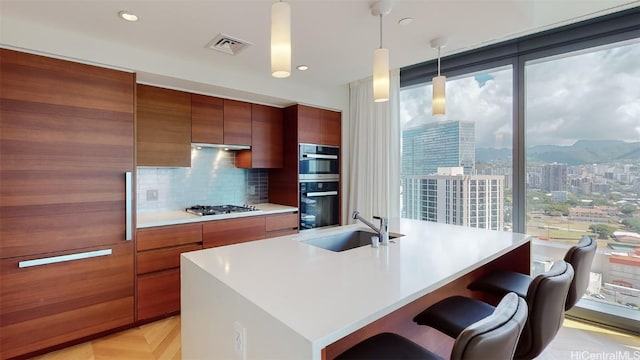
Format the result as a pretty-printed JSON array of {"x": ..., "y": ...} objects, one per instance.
[{"x": 220, "y": 146}]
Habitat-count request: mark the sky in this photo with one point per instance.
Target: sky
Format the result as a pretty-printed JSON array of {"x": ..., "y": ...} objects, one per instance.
[{"x": 592, "y": 95}]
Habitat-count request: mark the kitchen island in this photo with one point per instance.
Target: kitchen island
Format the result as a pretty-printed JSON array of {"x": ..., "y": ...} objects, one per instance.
[{"x": 290, "y": 300}]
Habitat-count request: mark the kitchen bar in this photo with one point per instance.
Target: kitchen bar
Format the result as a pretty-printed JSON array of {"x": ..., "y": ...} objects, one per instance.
[{"x": 292, "y": 300}]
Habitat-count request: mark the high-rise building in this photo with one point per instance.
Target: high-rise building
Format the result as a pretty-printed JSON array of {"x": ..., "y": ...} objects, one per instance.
[
  {"x": 554, "y": 177},
  {"x": 454, "y": 198},
  {"x": 427, "y": 147}
]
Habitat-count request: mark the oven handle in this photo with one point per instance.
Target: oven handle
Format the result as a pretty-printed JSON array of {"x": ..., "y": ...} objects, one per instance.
[
  {"x": 320, "y": 193},
  {"x": 321, "y": 156}
]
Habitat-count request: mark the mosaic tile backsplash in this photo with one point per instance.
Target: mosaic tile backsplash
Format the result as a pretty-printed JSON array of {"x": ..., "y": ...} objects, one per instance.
[{"x": 212, "y": 179}]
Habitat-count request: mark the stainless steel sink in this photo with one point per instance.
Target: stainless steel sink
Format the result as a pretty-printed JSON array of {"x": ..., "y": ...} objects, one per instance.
[{"x": 344, "y": 241}]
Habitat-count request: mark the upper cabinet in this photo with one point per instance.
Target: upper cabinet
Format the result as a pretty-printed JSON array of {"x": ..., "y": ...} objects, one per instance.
[
  {"x": 318, "y": 126},
  {"x": 220, "y": 121},
  {"x": 237, "y": 122},
  {"x": 163, "y": 125},
  {"x": 330, "y": 127},
  {"x": 266, "y": 139},
  {"x": 207, "y": 118}
]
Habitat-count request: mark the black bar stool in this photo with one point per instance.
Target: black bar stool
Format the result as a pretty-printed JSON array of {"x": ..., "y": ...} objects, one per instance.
[
  {"x": 580, "y": 256},
  {"x": 493, "y": 337},
  {"x": 545, "y": 298}
]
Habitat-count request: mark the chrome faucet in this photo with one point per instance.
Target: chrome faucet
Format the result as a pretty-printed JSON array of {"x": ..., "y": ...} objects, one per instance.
[{"x": 383, "y": 230}]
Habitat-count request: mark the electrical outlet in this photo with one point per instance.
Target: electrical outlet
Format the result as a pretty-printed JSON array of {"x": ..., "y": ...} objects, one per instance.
[
  {"x": 252, "y": 190},
  {"x": 152, "y": 195},
  {"x": 240, "y": 340}
]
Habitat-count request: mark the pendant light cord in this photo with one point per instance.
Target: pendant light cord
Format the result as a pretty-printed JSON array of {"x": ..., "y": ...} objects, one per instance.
[
  {"x": 438, "y": 60},
  {"x": 380, "y": 31}
]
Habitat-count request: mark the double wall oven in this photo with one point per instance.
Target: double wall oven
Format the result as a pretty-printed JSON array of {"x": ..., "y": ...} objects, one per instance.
[{"x": 319, "y": 186}]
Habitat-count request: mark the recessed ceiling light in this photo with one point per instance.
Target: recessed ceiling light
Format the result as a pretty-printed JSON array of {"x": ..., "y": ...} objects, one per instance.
[
  {"x": 128, "y": 15},
  {"x": 405, "y": 21},
  {"x": 302, "y": 67}
]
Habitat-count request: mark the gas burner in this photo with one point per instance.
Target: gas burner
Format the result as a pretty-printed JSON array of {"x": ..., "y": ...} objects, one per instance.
[{"x": 204, "y": 210}]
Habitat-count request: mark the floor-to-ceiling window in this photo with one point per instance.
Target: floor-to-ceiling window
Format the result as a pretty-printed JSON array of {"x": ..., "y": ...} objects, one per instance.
[
  {"x": 456, "y": 169},
  {"x": 554, "y": 119},
  {"x": 582, "y": 130}
]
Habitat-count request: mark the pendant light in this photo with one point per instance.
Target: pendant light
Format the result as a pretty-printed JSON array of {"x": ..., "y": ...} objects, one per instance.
[
  {"x": 381, "y": 57},
  {"x": 280, "y": 40},
  {"x": 439, "y": 82}
]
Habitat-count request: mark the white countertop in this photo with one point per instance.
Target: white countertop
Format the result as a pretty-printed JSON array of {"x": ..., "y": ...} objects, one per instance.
[
  {"x": 323, "y": 295},
  {"x": 145, "y": 220}
]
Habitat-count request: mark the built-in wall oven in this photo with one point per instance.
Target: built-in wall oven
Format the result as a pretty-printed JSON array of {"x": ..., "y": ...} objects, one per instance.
[
  {"x": 318, "y": 162},
  {"x": 319, "y": 204},
  {"x": 319, "y": 186}
]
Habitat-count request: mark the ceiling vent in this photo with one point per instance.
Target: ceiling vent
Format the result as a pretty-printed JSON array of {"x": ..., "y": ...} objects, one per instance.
[{"x": 227, "y": 44}]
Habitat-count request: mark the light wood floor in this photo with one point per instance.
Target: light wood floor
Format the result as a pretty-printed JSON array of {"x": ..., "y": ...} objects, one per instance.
[{"x": 161, "y": 340}]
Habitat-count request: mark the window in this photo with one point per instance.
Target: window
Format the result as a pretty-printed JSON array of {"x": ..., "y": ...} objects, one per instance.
[
  {"x": 582, "y": 131},
  {"x": 462, "y": 146},
  {"x": 556, "y": 125}
]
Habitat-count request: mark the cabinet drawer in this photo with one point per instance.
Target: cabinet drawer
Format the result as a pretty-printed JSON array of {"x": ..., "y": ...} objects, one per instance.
[
  {"x": 162, "y": 259},
  {"x": 233, "y": 231},
  {"x": 276, "y": 233},
  {"x": 286, "y": 221},
  {"x": 46, "y": 305},
  {"x": 167, "y": 236},
  {"x": 158, "y": 294}
]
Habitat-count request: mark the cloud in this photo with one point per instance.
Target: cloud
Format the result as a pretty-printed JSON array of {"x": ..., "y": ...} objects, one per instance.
[{"x": 584, "y": 95}]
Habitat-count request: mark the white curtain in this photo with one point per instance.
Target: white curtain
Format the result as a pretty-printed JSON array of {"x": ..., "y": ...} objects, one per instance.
[{"x": 374, "y": 151}]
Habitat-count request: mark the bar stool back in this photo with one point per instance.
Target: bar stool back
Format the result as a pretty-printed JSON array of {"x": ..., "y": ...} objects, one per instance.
[{"x": 494, "y": 337}]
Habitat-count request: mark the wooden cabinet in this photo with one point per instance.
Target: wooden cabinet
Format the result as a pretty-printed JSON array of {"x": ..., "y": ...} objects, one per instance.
[
  {"x": 66, "y": 139},
  {"x": 318, "y": 126},
  {"x": 331, "y": 128},
  {"x": 47, "y": 305},
  {"x": 266, "y": 139},
  {"x": 163, "y": 124},
  {"x": 233, "y": 231},
  {"x": 207, "y": 119},
  {"x": 158, "y": 267},
  {"x": 220, "y": 121},
  {"x": 281, "y": 224},
  {"x": 301, "y": 124},
  {"x": 308, "y": 124},
  {"x": 237, "y": 122}
]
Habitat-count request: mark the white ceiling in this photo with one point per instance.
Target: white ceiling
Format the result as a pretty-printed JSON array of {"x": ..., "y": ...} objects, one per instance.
[{"x": 335, "y": 38}]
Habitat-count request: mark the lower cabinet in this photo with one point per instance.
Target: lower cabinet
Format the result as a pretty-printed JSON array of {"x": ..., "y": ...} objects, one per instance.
[
  {"x": 281, "y": 224},
  {"x": 159, "y": 248},
  {"x": 158, "y": 294},
  {"x": 64, "y": 296},
  {"x": 233, "y": 231},
  {"x": 158, "y": 267}
]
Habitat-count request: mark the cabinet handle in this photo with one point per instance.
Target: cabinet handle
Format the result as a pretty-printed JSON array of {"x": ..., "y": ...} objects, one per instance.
[
  {"x": 62, "y": 258},
  {"x": 128, "y": 206}
]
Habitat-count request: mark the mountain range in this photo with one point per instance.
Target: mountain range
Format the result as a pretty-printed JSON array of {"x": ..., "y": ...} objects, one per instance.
[{"x": 580, "y": 153}]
